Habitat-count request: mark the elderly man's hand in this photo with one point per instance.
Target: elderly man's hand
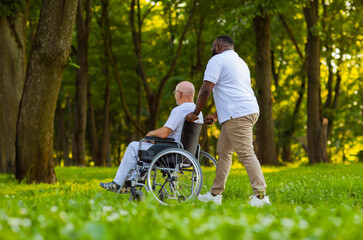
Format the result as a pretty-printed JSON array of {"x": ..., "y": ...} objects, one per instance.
[{"x": 191, "y": 117}]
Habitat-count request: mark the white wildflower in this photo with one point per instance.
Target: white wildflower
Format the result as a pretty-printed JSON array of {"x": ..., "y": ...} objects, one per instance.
[
  {"x": 26, "y": 222},
  {"x": 63, "y": 215},
  {"x": 38, "y": 237},
  {"x": 356, "y": 219},
  {"x": 113, "y": 217},
  {"x": 41, "y": 218},
  {"x": 107, "y": 209},
  {"x": 23, "y": 211},
  {"x": 54, "y": 209},
  {"x": 124, "y": 212},
  {"x": 287, "y": 223},
  {"x": 69, "y": 227},
  {"x": 14, "y": 224},
  {"x": 303, "y": 224}
]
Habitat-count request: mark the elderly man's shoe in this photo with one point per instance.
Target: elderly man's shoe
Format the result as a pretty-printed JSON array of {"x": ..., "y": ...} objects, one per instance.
[{"x": 111, "y": 186}]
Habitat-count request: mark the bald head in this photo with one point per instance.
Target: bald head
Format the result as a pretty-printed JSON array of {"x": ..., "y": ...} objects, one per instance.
[
  {"x": 184, "y": 92},
  {"x": 186, "y": 87}
]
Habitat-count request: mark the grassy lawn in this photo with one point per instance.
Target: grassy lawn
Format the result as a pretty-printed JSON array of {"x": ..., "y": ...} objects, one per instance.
[{"x": 308, "y": 202}]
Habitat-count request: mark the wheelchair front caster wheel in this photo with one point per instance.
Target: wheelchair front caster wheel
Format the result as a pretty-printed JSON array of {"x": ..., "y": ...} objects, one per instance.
[
  {"x": 181, "y": 199},
  {"x": 137, "y": 196}
]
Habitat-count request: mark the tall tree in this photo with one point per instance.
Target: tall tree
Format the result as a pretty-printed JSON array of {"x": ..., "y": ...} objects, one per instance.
[
  {"x": 154, "y": 97},
  {"x": 105, "y": 139},
  {"x": 340, "y": 35},
  {"x": 315, "y": 126},
  {"x": 62, "y": 135},
  {"x": 266, "y": 151},
  {"x": 12, "y": 76},
  {"x": 100, "y": 148},
  {"x": 80, "y": 116},
  {"x": 99, "y": 151},
  {"x": 289, "y": 129},
  {"x": 111, "y": 59},
  {"x": 48, "y": 58}
]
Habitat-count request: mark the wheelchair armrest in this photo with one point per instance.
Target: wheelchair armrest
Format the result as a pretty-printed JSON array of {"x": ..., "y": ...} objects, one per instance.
[{"x": 157, "y": 139}]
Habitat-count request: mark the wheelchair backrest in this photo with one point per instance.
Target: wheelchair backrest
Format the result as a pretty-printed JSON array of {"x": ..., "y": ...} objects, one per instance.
[{"x": 190, "y": 136}]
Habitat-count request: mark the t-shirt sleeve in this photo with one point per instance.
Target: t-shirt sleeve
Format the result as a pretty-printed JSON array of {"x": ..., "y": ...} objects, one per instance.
[
  {"x": 174, "y": 120},
  {"x": 213, "y": 71}
]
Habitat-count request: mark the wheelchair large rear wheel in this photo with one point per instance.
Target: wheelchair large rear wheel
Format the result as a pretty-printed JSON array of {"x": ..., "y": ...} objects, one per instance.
[
  {"x": 174, "y": 176},
  {"x": 209, "y": 166}
]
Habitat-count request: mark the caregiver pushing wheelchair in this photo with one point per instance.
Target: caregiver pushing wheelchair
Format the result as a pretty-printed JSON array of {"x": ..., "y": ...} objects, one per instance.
[{"x": 228, "y": 76}]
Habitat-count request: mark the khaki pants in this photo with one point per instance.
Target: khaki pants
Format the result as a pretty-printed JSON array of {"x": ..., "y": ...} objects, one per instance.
[{"x": 236, "y": 135}]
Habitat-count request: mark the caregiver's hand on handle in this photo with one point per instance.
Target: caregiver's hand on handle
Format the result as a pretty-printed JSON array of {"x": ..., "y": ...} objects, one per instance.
[
  {"x": 191, "y": 117},
  {"x": 210, "y": 119}
]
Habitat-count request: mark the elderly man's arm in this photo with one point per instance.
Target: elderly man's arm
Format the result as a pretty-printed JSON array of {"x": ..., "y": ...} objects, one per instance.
[
  {"x": 203, "y": 96},
  {"x": 162, "y": 132}
]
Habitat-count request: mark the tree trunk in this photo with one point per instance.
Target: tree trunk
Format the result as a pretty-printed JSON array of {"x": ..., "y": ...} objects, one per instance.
[
  {"x": 288, "y": 133},
  {"x": 316, "y": 150},
  {"x": 80, "y": 116},
  {"x": 62, "y": 135},
  {"x": 105, "y": 140},
  {"x": 106, "y": 35},
  {"x": 48, "y": 58},
  {"x": 275, "y": 73},
  {"x": 92, "y": 129},
  {"x": 57, "y": 140},
  {"x": 290, "y": 129},
  {"x": 265, "y": 143},
  {"x": 153, "y": 98},
  {"x": 140, "y": 94},
  {"x": 12, "y": 78},
  {"x": 335, "y": 104},
  {"x": 69, "y": 136},
  {"x": 328, "y": 102},
  {"x": 103, "y": 150}
]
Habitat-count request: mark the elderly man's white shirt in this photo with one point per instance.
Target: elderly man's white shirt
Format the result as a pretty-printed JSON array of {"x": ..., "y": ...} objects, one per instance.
[
  {"x": 233, "y": 94},
  {"x": 176, "y": 119}
]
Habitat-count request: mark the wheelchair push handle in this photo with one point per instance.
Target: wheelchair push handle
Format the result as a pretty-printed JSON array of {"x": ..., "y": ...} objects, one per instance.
[{"x": 209, "y": 121}]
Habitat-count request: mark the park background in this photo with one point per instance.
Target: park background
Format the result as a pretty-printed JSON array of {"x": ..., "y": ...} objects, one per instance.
[
  {"x": 81, "y": 79},
  {"x": 126, "y": 57}
]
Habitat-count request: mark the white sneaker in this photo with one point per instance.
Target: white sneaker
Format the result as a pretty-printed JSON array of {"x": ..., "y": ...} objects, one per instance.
[
  {"x": 209, "y": 198},
  {"x": 256, "y": 202}
]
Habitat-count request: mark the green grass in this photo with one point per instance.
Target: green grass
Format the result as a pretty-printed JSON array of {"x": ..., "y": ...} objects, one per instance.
[{"x": 308, "y": 202}]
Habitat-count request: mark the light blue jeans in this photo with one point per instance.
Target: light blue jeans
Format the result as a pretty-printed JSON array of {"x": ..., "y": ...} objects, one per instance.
[{"x": 129, "y": 161}]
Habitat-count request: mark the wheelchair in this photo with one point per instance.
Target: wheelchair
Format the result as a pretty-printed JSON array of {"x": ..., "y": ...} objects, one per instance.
[{"x": 171, "y": 170}]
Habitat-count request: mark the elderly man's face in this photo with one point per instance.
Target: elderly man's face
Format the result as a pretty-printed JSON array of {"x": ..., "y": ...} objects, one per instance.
[{"x": 177, "y": 93}]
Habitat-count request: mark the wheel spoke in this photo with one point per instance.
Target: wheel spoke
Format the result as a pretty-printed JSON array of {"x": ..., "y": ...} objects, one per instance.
[
  {"x": 208, "y": 165},
  {"x": 177, "y": 176}
]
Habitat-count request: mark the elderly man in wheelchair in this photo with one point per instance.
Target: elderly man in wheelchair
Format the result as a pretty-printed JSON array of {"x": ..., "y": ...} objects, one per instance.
[{"x": 167, "y": 159}]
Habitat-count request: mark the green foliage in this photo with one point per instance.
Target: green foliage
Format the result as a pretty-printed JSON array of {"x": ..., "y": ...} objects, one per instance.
[
  {"x": 311, "y": 202},
  {"x": 341, "y": 45},
  {"x": 263, "y": 7},
  {"x": 11, "y": 8},
  {"x": 71, "y": 63}
]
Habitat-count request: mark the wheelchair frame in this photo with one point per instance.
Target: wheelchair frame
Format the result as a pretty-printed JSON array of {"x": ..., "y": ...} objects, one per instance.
[{"x": 147, "y": 164}]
